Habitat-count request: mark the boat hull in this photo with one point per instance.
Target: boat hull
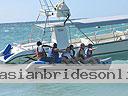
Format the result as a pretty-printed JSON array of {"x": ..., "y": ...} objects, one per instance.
[
  {"x": 111, "y": 47},
  {"x": 101, "y": 49}
]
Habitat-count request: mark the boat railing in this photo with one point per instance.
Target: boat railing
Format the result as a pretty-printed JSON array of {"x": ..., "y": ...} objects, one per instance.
[{"x": 114, "y": 33}]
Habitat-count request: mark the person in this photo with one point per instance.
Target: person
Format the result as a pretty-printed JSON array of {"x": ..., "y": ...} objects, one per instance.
[
  {"x": 40, "y": 51},
  {"x": 41, "y": 54},
  {"x": 81, "y": 54},
  {"x": 89, "y": 50},
  {"x": 72, "y": 51},
  {"x": 89, "y": 56},
  {"x": 54, "y": 53},
  {"x": 85, "y": 56},
  {"x": 67, "y": 58}
]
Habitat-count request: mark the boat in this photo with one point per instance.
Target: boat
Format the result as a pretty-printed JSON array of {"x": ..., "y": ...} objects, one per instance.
[{"x": 104, "y": 43}]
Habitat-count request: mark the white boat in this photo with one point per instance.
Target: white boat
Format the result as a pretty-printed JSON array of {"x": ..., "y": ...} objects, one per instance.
[{"x": 114, "y": 42}]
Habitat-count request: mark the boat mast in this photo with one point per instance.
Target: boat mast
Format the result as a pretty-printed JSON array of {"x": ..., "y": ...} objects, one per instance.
[
  {"x": 46, "y": 11},
  {"x": 60, "y": 10},
  {"x": 64, "y": 11}
]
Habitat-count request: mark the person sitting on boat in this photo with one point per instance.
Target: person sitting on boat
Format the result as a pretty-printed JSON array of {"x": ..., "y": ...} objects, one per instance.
[
  {"x": 88, "y": 53},
  {"x": 67, "y": 58},
  {"x": 85, "y": 56},
  {"x": 72, "y": 51},
  {"x": 54, "y": 53},
  {"x": 41, "y": 54},
  {"x": 81, "y": 54}
]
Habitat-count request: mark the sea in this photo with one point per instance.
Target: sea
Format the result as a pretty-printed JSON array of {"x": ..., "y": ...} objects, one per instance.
[
  {"x": 63, "y": 89},
  {"x": 11, "y": 33}
]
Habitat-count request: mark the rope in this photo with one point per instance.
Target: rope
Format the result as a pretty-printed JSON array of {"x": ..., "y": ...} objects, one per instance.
[
  {"x": 38, "y": 17},
  {"x": 70, "y": 35},
  {"x": 45, "y": 24},
  {"x": 81, "y": 31}
]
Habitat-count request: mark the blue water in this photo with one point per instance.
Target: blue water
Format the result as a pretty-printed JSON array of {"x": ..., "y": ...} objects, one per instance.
[
  {"x": 22, "y": 32},
  {"x": 63, "y": 90}
]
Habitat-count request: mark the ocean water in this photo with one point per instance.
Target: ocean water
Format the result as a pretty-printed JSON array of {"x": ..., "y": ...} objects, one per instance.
[
  {"x": 24, "y": 32},
  {"x": 63, "y": 90}
]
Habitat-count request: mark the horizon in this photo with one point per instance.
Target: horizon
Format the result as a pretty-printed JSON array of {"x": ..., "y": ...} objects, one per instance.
[{"x": 27, "y": 11}]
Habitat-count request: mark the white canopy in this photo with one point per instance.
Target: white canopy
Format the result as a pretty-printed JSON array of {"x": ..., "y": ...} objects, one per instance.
[{"x": 99, "y": 21}]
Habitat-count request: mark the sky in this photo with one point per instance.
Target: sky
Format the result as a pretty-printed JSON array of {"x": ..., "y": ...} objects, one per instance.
[{"x": 28, "y": 10}]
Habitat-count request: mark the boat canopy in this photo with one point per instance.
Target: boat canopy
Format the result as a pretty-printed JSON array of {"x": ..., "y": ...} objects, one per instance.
[{"x": 93, "y": 22}]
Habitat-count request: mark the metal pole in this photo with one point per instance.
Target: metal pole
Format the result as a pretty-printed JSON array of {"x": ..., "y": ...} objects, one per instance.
[
  {"x": 46, "y": 3},
  {"x": 41, "y": 4},
  {"x": 81, "y": 31},
  {"x": 51, "y": 4}
]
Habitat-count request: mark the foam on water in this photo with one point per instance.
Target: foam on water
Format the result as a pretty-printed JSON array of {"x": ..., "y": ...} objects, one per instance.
[{"x": 6, "y": 30}]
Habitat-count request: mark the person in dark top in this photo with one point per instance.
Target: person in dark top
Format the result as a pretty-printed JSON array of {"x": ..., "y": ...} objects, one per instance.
[
  {"x": 72, "y": 51},
  {"x": 54, "y": 53}
]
